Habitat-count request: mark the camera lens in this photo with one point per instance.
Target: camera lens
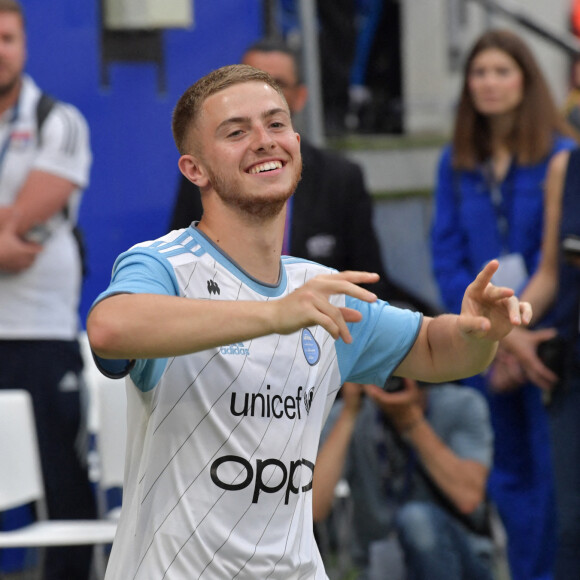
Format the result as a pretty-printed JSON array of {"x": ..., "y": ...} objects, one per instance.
[{"x": 394, "y": 384}]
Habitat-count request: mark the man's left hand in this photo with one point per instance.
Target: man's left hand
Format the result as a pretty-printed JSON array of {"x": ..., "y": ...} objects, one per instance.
[{"x": 490, "y": 311}]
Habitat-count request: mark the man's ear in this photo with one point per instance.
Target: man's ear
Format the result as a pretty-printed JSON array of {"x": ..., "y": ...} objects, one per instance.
[{"x": 192, "y": 170}]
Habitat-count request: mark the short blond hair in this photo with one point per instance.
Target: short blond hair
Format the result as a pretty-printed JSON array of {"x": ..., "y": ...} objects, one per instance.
[{"x": 187, "y": 110}]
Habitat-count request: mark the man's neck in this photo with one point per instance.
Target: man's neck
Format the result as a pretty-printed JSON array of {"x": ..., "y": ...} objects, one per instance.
[{"x": 256, "y": 245}]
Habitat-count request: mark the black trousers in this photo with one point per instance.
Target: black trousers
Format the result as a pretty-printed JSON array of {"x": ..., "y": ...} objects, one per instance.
[{"x": 51, "y": 371}]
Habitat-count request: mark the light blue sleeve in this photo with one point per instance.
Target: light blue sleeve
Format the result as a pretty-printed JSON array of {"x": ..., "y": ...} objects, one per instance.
[
  {"x": 380, "y": 341},
  {"x": 141, "y": 270},
  {"x": 138, "y": 271}
]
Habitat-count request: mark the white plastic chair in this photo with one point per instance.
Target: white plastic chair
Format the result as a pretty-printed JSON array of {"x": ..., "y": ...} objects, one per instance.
[
  {"x": 108, "y": 425},
  {"x": 21, "y": 483},
  {"x": 111, "y": 402}
]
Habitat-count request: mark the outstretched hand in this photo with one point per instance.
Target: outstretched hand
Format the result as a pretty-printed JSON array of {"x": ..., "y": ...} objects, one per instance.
[
  {"x": 490, "y": 311},
  {"x": 310, "y": 304}
]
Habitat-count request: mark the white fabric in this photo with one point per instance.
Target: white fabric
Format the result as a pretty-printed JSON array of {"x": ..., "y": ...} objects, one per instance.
[
  {"x": 41, "y": 302},
  {"x": 21, "y": 483},
  {"x": 222, "y": 446},
  {"x": 181, "y": 428}
]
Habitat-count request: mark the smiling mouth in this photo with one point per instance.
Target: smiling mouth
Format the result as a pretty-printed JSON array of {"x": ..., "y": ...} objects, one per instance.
[{"x": 265, "y": 167}]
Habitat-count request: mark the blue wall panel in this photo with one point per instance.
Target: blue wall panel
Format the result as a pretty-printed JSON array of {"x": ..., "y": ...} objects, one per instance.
[{"x": 134, "y": 174}]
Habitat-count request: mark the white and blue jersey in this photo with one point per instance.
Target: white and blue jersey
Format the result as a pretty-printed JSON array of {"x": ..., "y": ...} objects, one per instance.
[{"x": 222, "y": 443}]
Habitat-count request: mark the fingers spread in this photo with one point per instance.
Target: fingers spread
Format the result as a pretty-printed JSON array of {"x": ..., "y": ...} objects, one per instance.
[
  {"x": 526, "y": 312},
  {"x": 351, "y": 315},
  {"x": 495, "y": 293},
  {"x": 334, "y": 319},
  {"x": 485, "y": 275},
  {"x": 347, "y": 283},
  {"x": 513, "y": 308}
]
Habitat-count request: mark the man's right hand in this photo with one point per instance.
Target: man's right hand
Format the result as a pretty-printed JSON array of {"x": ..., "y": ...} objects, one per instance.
[
  {"x": 15, "y": 253},
  {"x": 309, "y": 305}
]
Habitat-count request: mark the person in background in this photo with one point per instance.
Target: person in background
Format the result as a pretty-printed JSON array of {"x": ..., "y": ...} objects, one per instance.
[
  {"x": 571, "y": 108},
  {"x": 234, "y": 353},
  {"x": 416, "y": 461},
  {"x": 329, "y": 218},
  {"x": 489, "y": 204},
  {"x": 45, "y": 159},
  {"x": 550, "y": 358}
]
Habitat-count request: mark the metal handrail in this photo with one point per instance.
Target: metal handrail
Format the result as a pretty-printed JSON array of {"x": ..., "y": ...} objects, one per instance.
[{"x": 564, "y": 40}]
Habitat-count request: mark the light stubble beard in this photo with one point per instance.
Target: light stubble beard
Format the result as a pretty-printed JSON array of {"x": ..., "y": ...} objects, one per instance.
[
  {"x": 262, "y": 208},
  {"x": 9, "y": 86}
]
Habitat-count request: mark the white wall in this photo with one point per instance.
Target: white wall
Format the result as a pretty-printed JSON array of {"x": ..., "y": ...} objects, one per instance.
[{"x": 430, "y": 86}]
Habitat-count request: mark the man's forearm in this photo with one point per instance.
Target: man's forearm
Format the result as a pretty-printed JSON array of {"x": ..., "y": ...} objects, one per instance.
[
  {"x": 137, "y": 326},
  {"x": 443, "y": 353},
  {"x": 461, "y": 480},
  {"x": 160, "y": 325},
  {"x": 455, "y": 353}
]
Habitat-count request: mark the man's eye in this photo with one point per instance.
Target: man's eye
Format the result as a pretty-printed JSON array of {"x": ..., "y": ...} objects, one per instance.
[{"x": 236, "y": 133}]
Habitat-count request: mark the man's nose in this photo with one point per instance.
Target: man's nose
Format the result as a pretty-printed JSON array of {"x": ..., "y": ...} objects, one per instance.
[{"x": 262, "y": 138}]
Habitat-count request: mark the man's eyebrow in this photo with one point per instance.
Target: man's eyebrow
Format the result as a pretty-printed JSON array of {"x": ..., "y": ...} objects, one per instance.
[
  {"x": 264, "y": 115},
  {"x": 232, "y": 121},
  {"x": 275, "y": 111}
]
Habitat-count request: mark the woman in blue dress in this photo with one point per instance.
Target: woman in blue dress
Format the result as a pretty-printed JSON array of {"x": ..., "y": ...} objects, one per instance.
[{"x": 489, "y": 204}]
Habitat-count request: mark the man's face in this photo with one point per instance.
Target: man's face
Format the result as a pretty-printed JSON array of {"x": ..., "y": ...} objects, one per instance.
[
  {"x": 12, "y": 51},
  {"x": 249, "y": 153},
  {"x": 280, "y": 66}
]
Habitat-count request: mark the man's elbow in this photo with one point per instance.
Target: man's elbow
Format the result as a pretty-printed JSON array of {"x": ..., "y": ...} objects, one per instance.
[{"x": 104, "y": 332}]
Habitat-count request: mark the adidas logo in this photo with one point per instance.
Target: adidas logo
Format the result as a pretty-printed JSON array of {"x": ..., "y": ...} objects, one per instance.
[
  {"x": 237, "y": 348},
  {"x": 69, "y": 383}
]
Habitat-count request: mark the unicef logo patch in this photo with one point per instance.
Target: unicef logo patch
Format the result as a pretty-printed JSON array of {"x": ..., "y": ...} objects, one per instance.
[{"x": 310, "y": 347}]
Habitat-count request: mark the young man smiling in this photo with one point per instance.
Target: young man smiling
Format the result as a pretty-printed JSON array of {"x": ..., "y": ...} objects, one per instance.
[
  {"x": 330, "y": 217},
  {"x": 211, "y": 492}
]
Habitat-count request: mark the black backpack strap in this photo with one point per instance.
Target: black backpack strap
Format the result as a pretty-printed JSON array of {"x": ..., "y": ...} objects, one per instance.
[{"x": 44, "y": 106}]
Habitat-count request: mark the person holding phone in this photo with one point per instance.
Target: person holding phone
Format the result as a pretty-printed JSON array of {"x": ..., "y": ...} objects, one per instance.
[{"x": 416, "y": 458}]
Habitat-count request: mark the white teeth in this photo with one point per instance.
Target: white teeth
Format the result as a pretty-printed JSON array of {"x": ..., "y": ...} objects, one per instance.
[{"x": 269, "y": 166}]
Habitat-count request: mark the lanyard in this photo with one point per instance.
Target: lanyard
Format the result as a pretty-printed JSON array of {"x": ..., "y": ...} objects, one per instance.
[
  {"x": 498, "y": 201},
  {"x": 11, "y": 125}
]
